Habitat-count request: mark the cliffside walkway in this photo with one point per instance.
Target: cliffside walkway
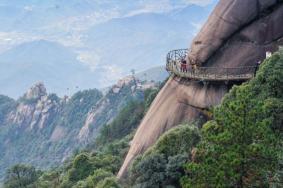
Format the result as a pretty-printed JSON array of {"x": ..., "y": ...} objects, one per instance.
[{"x": 173, "y": 66}]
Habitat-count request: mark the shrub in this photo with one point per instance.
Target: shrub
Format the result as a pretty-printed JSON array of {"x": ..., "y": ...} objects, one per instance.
[
  {"x": 21, "y": 176},
  {"x": 82, "y": 167},
  {"x": 109, "y": 182},
  {"x": 178, "y": 140},
  {"x": 99, "y": 175},
  {"x": 162, "y": 165}
]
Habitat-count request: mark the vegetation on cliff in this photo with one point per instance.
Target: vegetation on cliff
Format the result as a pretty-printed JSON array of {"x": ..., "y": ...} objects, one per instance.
[
  {"x": 129, "y": 118},
  {"x": 6, "y": 105},
  {"x": 161, "y": 165},
  {"x": 43, "y": 129},
  {"x": 242, "y": 146},
  {"x": 97, "y": 164},
  {"x": 40, "y": 130}
]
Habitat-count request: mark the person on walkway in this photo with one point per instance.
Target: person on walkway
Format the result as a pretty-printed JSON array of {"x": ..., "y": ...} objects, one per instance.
[{"x": 183, "y": 65}]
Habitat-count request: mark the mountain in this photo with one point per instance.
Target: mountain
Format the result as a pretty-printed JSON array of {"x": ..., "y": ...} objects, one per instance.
[
  {"x": 69, "y": 49},
  {"x": 142, "y": 41},
  {"x": 43, "y": 129},
  {"x": 60, "y": 70},
  {"x": 46, "y": 61}
]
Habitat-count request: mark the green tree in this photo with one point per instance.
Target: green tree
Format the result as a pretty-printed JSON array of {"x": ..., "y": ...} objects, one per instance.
[
  {"x": 21, "y": 176},
  {"x": 49, "y": 179},
  {"x": 150, "y": 171},
  {"x": 240, "y": 147},
  {"x": 162, "y": 165},
  {"x": 86, "y": 169},
  {"x": 178, "y": 140},
  {"x": 149, "y": 96},
  {"x": 82, "y": 167},
  {"x": 126, "y": 121},
  {"x": 79, "y": 105},
  {"x": 6, "y": 105},
  {"x": 109, "y": 182},
  {"x": 100, "y": 175}
]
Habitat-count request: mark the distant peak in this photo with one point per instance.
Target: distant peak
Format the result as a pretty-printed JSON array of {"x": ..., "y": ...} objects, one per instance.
[{"x": 36, "y": 91}]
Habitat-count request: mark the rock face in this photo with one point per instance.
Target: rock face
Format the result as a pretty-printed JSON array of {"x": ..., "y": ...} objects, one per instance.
[
  {"x": 237, "y": 33},
  {"x": 35, "y": 108},
  {"x": 43, "y": 130},
  {"x": 36, "y": 91},
  {"x": 255, "y": 18},
  {"x": 126, "y": 89}
]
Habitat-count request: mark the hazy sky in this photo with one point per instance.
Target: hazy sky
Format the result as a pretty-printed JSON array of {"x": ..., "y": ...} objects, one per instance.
[
  {"x": 65, "y": 21},
  {"x": 87, "y": 28}
]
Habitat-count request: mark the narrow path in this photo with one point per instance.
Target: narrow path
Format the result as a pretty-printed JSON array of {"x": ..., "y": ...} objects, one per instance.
[{"x": 174, "y": 66}]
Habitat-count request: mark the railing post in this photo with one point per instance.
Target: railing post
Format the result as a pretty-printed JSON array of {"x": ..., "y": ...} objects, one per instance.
[{"x": 226, "y": 73}]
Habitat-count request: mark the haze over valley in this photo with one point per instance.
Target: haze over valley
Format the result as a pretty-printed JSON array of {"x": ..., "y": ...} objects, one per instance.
[{"x": 89, "y": 44}]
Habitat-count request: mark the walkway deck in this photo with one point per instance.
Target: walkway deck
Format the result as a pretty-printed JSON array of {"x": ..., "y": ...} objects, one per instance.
[{"x": 173, "y": 66}]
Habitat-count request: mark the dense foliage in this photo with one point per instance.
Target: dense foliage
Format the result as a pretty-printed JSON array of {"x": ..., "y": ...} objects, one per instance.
[
  {"x": 79, "y": 105},
  {"x": 21, "y": 176},
  {"x": 45, "y": 130},
  {"x": 33, "y": 143},
  {"x": 161, "y": 165},
  {"x": 129, "y": 117},
  {"x": 6, "y": 104},
  {"x": 97, "y": 165},
  {"x": 243, "y": 145},
  {"x": 150, "y": 95}
]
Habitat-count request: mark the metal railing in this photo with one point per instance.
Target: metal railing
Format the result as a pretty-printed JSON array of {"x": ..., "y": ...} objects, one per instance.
[{"x": 173, "y": 66}]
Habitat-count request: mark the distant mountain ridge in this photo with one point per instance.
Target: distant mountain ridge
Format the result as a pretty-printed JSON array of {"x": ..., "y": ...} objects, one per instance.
[
  {"x": 61, "y": 72},
  {"x": 96, "y": 57},
  {"x": 46, "y": 61}
]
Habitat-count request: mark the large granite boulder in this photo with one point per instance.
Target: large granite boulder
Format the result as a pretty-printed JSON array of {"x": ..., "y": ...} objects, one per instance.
[
  {"x": 228, "y": 18},
  {"x": 238, "y": 33}
]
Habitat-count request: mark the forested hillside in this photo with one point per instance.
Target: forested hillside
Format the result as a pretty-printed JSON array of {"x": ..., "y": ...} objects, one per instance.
[
  {"x": 97, "y": 164},
  {"x": 240, "y": 147},
  {"x": 44, "y": 130}
]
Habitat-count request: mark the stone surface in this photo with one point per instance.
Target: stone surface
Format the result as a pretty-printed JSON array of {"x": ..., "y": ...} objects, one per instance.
[
  {"x": 237, "y": 33},
  {"x": 175, "y": 103},
  {"x": 228, "y": 18},
  {"x": 108, "y": 107},
  {"x": 35, "y": 109},
  {"x": 42, "y": 129},
  {"x": 36, "y": 91}
]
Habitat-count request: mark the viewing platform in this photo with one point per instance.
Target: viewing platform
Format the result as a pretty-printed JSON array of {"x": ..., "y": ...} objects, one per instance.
[{"x": 174, "y": 66}]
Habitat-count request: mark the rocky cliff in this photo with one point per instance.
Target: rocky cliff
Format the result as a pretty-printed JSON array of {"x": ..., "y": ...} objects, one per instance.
[
  {"x": 43, "y": 130},
  {"x": 107, "y": 108},
  {"x": 35, "y": 109},
  {"x": 237, "y": 33}
]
